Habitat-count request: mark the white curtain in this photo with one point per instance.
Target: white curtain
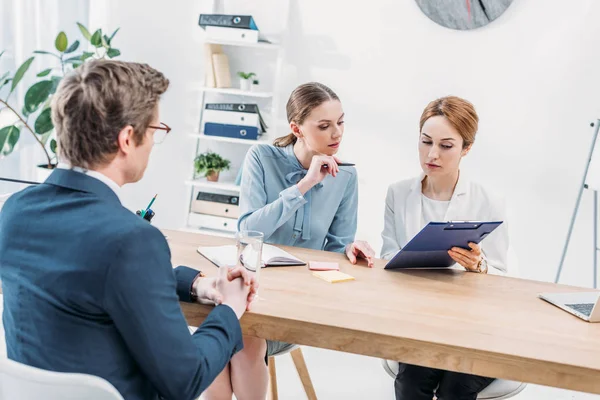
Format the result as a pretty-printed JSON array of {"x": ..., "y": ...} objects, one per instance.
[{"x": 25, "y": 26}]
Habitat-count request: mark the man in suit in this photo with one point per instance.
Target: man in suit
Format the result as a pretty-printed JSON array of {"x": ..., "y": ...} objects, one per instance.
[{"x": 89, "y": 286}]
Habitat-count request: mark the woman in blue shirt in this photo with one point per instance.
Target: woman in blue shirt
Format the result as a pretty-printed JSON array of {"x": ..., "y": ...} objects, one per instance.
[{"x": 297, "y": 195}]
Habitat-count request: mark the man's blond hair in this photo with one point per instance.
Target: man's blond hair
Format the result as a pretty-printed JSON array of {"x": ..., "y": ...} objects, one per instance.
[{"x": 96, "y": 101}]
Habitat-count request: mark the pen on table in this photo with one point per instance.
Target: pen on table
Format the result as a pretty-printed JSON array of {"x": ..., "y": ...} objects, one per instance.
[{"x": 149, "y": 205}]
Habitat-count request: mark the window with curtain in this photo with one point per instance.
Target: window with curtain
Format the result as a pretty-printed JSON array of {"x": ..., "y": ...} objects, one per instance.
[{"x": 27, "y": 26}]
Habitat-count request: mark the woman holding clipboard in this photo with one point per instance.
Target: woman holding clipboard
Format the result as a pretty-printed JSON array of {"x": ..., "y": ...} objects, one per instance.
[
  {"x": 442, "y": 193},
  {"x": 297, "y": 193}
]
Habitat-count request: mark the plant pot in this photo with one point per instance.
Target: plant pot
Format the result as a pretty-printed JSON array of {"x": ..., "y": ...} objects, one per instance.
[
  {"x": 245, "y": 84},
  {"x": 212, "y": 176},
  {"x": 42, "y": 172},
  {"x": 255, "y": 88}
]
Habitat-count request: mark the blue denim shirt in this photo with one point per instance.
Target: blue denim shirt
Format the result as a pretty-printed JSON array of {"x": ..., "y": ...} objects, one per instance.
[{"x": 270, "y": 202}]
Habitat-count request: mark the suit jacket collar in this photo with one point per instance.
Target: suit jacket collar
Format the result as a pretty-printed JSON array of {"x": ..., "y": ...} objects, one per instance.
[
  {"x": 414, "y": 209},
  {"x": 80, "y": 182}
]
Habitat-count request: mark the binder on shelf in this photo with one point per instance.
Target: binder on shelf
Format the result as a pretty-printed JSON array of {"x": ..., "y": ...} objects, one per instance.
[
  {"x": 232, "y": 28},
  {"x": 233, "y": 114},
  {"x": 229, "y": 21},
  {"x": 231, "y": 34},
  {"x": 231, "y": 118},
  {"x": 231, "y": 131},
  {"x": 222, "y": 73}
]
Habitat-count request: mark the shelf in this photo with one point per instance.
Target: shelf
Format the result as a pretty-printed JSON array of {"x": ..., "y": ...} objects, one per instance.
[
  {"x": 247, "y": 142},
  {"x": 233, "y": 91},
  {"x": 213, "y": 185},
  {"x": 259, "y": 45}
]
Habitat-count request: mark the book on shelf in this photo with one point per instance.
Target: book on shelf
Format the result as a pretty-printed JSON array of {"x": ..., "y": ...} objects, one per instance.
[
  {"x": 222, "y": 74},
  {"x": 209, "y": 50},
  {"x": 272, "y": 256}
]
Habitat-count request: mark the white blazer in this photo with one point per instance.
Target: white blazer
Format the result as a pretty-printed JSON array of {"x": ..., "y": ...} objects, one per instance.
[{"x": 469, "y": 202}]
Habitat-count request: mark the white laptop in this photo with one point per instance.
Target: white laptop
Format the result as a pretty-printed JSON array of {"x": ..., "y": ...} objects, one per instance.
[{"x": 583, "y": 304}]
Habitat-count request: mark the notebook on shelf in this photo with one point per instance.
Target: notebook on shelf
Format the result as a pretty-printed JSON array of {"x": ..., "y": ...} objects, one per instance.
[{"x": 272, "y": 256}]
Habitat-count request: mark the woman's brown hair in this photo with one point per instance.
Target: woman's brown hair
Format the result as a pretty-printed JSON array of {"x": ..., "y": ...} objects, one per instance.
[
  {"x": 303, "y": 100},
  {"x": 459, "y": 112}
]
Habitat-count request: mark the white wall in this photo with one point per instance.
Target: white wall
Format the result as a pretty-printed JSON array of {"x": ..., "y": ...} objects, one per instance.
[{"x": 532, "y": 75}]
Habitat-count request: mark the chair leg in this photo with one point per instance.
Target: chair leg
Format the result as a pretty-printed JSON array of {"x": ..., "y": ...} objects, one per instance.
[
  {"x": 303, "y": 374},
  {"x": 272, "y": 380}
]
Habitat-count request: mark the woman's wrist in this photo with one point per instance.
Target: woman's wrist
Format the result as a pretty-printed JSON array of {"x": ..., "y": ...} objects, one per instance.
[{"x": 304, "y": 185}]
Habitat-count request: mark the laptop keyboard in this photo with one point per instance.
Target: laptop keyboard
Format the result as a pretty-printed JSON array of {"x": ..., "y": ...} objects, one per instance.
[{"x": 584, "y": 308}]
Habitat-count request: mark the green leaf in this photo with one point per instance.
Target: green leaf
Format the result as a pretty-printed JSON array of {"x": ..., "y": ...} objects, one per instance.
[
  {"x": 44, "y": 73},
  {"x": 113, "y": 35},
  {"x": 37, "y": 95},
  {"x": 86, "y": 55},
  {"x": 112, "y": 53},
  {"x": 61, "y": 42},
  {"x": 2, "y": 52},
  {"x": 43, "y": 123},
  {"x": 84, "y": 31},
  {"x": 9, "y": 136},
  {"x": 20, "y": 72},
  {"x": 72, "y": 47},
  {"x": 77, "y": 65},
  {"x": 104, "y": 41},
  {"x": 3, "y": 77},
  {"x": 55, "y": 81},
  {"x": 96, "y": 39},
  {"x": 2, "y": 84},
  {"x": 46, "y": 52},
  {"x": 72, "y": 59},
  {"x": 53, "y": 146}
]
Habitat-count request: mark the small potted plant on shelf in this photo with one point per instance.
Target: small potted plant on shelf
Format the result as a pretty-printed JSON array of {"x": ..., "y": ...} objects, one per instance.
[
  {"x": 255, "y": 87},
  {"x": 209, "y": 164},
  {"x": 246, "y": 80}
]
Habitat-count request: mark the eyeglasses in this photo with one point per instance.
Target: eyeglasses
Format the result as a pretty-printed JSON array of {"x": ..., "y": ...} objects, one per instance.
[{"x": 160, "y": 132}]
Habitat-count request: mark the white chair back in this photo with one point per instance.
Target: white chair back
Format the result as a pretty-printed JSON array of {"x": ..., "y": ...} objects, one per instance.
[{"x": 19, "y": 381}]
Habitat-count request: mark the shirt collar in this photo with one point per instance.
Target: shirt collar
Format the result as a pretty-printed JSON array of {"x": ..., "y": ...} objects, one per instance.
[{"x": 95, "y": 174}]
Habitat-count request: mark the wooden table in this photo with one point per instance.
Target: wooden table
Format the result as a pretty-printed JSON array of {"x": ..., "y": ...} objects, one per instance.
[{"x": 479, "y": 324}]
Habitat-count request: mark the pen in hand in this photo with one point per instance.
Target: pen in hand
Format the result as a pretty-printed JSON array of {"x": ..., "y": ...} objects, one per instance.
[
  {"x": 149, "y": 205},
  {"x": 342, "y": 164}
]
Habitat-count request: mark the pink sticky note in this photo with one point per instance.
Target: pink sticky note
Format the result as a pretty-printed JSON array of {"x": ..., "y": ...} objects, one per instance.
[{"x": 323, "y": 266}]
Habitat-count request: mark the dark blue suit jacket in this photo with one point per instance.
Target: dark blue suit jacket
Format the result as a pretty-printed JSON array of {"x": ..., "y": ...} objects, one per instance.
[{"x": 89, "y": 287}]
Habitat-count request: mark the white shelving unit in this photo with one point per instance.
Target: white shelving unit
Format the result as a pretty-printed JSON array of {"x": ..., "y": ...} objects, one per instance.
[
  {"x": 203, "y": 183},
  {"x": 236, "y": 92},
  {"x": 215, "y": 225}
]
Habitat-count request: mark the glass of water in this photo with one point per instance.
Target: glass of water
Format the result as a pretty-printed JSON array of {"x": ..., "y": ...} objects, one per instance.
[{"x": 249, "y": 246}]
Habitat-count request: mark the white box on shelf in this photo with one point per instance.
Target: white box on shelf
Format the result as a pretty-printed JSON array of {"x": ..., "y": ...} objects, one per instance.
[
  {"x": 212, "y": 222},
  {"x": 231, "y": 34}
]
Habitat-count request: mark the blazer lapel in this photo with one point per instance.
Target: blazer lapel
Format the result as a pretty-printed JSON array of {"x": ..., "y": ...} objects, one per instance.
[{"x": 413, "y": 209}]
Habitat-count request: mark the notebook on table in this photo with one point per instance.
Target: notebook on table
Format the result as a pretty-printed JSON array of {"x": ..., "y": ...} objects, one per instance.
[{"x": 272, "y": 256}]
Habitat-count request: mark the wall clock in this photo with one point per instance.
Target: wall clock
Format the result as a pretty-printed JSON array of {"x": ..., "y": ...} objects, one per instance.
[{"x": 463, "y": 14}]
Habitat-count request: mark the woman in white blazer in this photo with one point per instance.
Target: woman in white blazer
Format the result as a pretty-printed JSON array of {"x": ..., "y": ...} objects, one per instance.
[{"x": 443, "y": 193}]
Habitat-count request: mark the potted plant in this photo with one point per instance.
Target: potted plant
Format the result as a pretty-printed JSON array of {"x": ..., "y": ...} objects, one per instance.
[
  {"x": 35, "y": 114},
  {"x": 246, "y": 80},
  {"x": 255, "y": 87},
  {"x": 209, "y": 164}
]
